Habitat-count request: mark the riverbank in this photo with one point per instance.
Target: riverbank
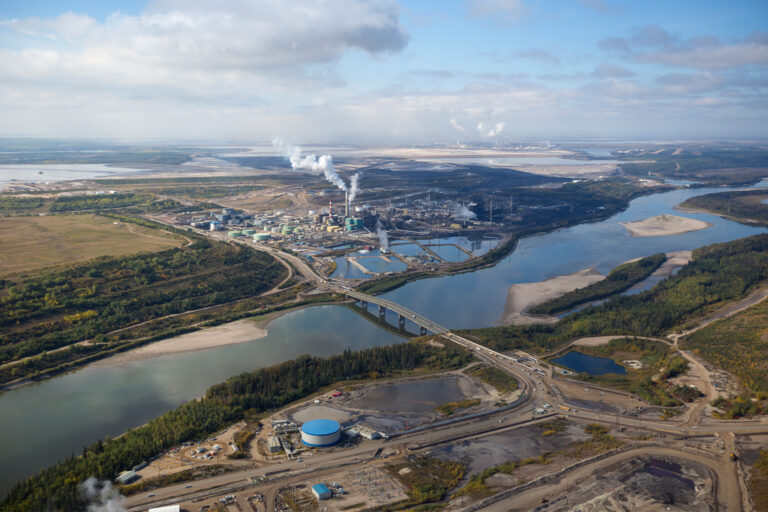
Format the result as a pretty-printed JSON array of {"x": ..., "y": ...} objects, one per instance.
[
  {"x": 664, "y": 225},
  {"x": 240, "y": 331},
  {"x": 522, "y": 297}
]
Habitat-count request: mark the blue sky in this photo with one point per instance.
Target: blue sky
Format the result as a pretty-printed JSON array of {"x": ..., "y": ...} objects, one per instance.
[{"x": 381, "y": 71}]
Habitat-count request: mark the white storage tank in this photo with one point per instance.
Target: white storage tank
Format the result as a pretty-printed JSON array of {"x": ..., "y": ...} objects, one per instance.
[{"x": 319, "y": 433}]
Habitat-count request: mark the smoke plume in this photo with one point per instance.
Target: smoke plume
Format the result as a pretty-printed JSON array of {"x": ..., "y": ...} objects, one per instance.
[
  {"x": 101, "y": 496},
  {"x": 457, "y": 126},
  {"x": 354, "y": 187},
  {"x": 310, "y": 163},
  {"x": 382, "y": 234},
  {"x": 490, "y": 131},
  {"x": 462, "y": 212}
]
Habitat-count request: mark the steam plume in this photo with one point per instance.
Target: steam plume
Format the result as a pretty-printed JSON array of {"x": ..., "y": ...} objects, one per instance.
[
  {"x": 457, "y": 126},
  {"x": 354, "y": 187},
  {"x": 492, "y": 131},
  {"x": 382, "y": 234},
  {"x": 101, "y": 496},
  {"x": 462, "y": 212},
  {"x": 310, "y": 163}
]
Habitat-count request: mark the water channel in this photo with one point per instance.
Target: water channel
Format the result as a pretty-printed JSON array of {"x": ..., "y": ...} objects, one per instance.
[{"x": 54, "y": 418}]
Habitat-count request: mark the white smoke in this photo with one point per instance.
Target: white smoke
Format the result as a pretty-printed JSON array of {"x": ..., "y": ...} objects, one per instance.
[
  {"x": 311, "y": 163},
  {"x": 101, "y": 496},
  {"x": 354, "y": 187},
  {"x": 462, "y": 212},
  {"x": 490, "y": 131},
  {"x": 457, "y": 126},
  {"x": 382, "y": 234}
]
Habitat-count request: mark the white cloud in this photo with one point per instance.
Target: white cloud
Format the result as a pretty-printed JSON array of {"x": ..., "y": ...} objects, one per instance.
[{"x": 509, "y": 10}]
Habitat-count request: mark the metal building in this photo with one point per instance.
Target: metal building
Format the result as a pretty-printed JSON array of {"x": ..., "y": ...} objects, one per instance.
[{"x": 320, "y": 433}]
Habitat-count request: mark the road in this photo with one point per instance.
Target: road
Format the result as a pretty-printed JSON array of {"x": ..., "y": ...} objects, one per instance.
[{"x": 537, "y": 388}]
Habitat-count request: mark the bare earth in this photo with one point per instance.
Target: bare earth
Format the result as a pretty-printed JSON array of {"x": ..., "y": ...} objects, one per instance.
[
  {"x": 522, "y": 297},
  {"x": 228, "y": 334},
  {"x": 664, "y": 225}
]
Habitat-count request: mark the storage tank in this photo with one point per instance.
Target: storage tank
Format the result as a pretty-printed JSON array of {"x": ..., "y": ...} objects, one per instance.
[
  {"x": 261, "y": 237},
  {"x": 320, "y": 433}
]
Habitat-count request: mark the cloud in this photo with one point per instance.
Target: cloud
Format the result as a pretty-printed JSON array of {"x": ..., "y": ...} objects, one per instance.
[
  {"x": 601, "y": 6},
  {"x": 612, "y": 71},
  {"x": 538, "y": 54},
  {"x": 193, "y": 42},
  {"x": 653, "y": 44},
  {"x": 614, "y": 44},
  {"x": 509, "y": 10},
  {"x": 686, "y": 83}
]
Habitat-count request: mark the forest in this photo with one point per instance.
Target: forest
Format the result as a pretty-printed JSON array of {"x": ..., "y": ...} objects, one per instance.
[
  {"x": 620, "y": 279},
  {"x": 711, "y": 165},
  {"x": 10, "y": 205},
  {"x": 243, "y": 396},
  {"x": 740, "y": 204},
  {"x": 107, "y": 202},
  {"x": 718, "y": 273},
  {"x": 51, "y": 309}
]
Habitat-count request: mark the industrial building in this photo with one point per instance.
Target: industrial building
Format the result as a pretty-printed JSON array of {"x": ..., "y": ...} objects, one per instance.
[
  {"x": 168, "y": 508},
  {"x": 274, "y": 444},
  {"x": 321, "y": 492},
  {"x": 127, "y": 477},
  {"x": 320, "y": 433}
]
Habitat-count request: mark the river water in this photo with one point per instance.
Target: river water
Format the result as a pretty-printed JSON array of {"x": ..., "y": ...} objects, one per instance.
[
  {"x": 46, "y": 421},
  {"x": 56, "y": 417}
]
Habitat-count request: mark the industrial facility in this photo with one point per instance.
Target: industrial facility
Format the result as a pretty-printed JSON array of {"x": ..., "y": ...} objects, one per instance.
[{"x": 320, "y": 433}]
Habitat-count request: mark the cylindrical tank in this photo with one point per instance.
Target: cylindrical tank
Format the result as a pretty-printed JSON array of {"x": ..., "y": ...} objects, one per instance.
[
  {"x": 320, "y": 433},
  {"x": 261, "y": 237}
]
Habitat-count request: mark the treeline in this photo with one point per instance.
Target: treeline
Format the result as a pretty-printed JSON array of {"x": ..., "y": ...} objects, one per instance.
[
  {"x": 711, "y": 165},
  {"x": 56, "y": 488},
  {"x": 744, "y": 204},
  {"x": 717, "y": 274},
  {"x": 620, "y": 279},
  {"x": 100, "y": 202},
  {"x": 210, "y": 191},
  {"x": 15, "y": 204},
  {"x": 59, "y": 307}
]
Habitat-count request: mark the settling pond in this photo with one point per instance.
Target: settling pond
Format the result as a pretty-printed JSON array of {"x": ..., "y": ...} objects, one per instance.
[{"x": 592, "y": 365}]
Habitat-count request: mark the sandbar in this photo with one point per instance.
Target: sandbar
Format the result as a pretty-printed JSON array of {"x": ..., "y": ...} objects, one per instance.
[
  {"x": 664, "y": 225},
  {"x": 521, "y": 297},
  {"x": 232, "y": 333}
]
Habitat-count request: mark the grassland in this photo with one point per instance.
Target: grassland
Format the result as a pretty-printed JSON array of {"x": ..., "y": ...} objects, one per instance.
[
  {"x": 503, "y": 382},
  {"x": 31, "y": 243}
]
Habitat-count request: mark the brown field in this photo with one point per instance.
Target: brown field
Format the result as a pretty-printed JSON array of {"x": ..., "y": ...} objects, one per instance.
[{"x": 29, "y": 243}]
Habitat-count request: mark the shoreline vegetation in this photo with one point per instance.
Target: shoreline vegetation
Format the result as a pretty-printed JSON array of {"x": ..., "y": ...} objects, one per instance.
[{"x": 245, "y": 396}]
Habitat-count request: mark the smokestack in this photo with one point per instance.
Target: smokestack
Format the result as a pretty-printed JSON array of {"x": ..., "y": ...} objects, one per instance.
[
  {"x": 330, "y": 209},
  {"x": 346, "y": 203}
]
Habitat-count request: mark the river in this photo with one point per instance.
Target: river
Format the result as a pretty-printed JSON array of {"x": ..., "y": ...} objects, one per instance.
[{"x": 56, "y": 417}]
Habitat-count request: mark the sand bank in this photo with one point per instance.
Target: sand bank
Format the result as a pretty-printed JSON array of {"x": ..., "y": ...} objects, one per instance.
[
  {"x": 664, "y": 225},
  {"x": 240, "y": 331},
  {"x": 522, "y": 297}
]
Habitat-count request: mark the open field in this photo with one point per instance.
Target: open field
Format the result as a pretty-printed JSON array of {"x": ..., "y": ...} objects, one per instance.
[{"x": 30, "y": 243}]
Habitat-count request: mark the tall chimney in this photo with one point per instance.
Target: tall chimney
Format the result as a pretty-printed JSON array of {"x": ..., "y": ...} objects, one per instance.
[{"x": 346, "y": 203}]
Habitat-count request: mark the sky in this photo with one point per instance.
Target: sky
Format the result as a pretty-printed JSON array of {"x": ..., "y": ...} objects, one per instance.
[{"x": 383, "y": 71}]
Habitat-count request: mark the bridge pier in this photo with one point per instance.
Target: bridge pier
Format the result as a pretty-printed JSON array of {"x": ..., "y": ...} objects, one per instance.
[
  {"x": 364, "y": 304},
  {"x": 382, "y": 312},
  {"x": 422, "y": 331}
]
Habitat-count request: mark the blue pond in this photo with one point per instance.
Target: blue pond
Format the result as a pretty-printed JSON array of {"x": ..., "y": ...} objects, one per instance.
[{"x": 592, "y": 365}]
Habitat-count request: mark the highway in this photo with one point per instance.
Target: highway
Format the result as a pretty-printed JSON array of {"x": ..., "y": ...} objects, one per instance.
[{"x": 537, "y": 388}]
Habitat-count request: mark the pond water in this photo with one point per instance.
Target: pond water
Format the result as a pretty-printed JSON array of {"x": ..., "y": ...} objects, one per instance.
[
  {"x": 29, "y": 173},
  {"x": 420, "y": 396},
  {"x": 521, "y": 160},
  {"x": 592, "y": 365}
]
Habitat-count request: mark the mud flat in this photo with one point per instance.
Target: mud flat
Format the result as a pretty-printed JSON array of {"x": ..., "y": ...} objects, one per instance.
[
  {"x": 664, "y": 225},
  {"x": 521, "y": 297}
]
